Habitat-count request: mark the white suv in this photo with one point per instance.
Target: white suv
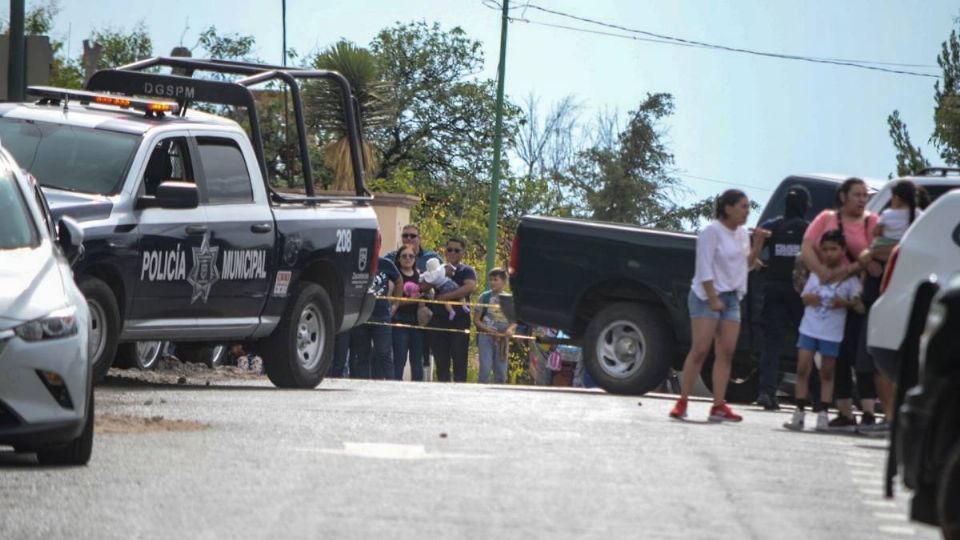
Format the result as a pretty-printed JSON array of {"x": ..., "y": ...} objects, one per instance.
[
  {"x": 931, "y": 247},
  {"x": 46, "y": 389}
]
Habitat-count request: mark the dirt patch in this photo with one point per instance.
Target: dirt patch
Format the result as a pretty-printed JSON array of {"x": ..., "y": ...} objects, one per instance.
[
  {"x": 174, "y": 371},
  {"x": 123, "y": 423}
]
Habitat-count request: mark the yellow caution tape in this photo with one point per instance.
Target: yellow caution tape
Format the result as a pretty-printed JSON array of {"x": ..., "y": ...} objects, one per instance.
[
  {"x": 453, "y": 330},
  {"x": 441, "y": 302}
]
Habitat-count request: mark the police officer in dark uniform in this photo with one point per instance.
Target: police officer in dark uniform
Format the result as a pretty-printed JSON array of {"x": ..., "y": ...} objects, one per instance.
[{"x": 782, "y": 307}]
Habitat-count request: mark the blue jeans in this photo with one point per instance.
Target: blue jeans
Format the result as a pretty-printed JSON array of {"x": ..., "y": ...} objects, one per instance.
[
  {"x": 375, "y": 364},
  {"x": 782, "y": 311},
  {"x": 341, "y": 349},
  {"x": 408, "y": 342},
  {"x": 700, "y": 309},
  {"x": 491, "y": 357}
]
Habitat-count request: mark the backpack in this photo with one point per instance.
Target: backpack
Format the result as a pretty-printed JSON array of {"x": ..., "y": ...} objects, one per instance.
[{"x": 784, "y": 246}]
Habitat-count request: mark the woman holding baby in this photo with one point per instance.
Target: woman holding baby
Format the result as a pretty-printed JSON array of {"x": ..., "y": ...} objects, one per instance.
[{"x": 408, "y": 342}]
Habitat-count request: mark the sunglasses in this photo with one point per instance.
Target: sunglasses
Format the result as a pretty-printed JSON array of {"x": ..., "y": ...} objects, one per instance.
[
  {"x": 408, "y": 235},
  {"x": 454, "y": 250},
  {"x": 407, "y": 256}
]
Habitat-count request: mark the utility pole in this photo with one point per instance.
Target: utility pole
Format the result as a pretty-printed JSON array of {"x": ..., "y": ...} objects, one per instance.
[
  {"x": 17, "y": 58},
  {"x": 497, "y": 146}
]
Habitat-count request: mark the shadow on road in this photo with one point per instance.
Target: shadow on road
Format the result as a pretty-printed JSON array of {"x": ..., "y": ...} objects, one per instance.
[{"x": 116, "y": 382}]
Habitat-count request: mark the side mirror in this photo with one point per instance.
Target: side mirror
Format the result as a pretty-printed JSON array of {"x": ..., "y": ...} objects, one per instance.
[
  {"x": 70, "y": 238},
  {"x": 172, "y": 194}
]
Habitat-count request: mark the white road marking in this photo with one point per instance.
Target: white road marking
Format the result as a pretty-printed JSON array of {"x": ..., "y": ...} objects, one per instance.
[
  {"x": 894, "y": 529},
  {"x": 390, "y": 451},
  {"x": 891, "y": 515},
  {"x": 862, "y": 464},
  {"x": 866, "y": 472},
  {"x": 866, "y": 481},
  {"x": 871, "y": 492}
]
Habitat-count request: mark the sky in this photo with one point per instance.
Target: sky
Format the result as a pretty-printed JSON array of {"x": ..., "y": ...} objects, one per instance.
[{"x": 741, "y": 120}]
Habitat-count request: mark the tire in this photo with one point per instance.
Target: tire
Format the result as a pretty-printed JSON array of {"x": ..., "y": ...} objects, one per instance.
[
  {"x": 143, "y": 355},
  {"x": 948, "y": 496},
  {"x": 299, "y": 351},
  {"x": 104, "y": 324},
  {"x": 744, "y": 384},
  {"x": 213, "y": 355},
  {"x": 628, "y": 349},
  {"x": 77, "y": 451}
]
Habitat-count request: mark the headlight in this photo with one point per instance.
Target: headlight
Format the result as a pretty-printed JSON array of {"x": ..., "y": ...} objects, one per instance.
[{"x": 60, "y": 323}]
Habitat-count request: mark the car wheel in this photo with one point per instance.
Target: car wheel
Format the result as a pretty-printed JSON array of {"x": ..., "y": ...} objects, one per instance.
[
  {"x": 627, "y": 349},
  {"x": 744, "y": 383},
  {"x": 104, "y": 325},
  {"x": 211, "y": 355},
  {"x": 143, "y": 355},
  {"x": 948, "y": 496},
  {"x": 299, "y": 351},
  {"x": 78, "y": 451}
]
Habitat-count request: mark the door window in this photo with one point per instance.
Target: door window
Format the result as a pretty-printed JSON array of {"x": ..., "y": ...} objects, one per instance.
[
  {"x": 225, "y": 174},
  {"x": 170, "y": 160}
]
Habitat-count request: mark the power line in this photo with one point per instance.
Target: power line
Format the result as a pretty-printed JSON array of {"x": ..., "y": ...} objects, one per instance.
[
  {"x": 672, "y": 40},
  {"x": 723, "y": 182}
]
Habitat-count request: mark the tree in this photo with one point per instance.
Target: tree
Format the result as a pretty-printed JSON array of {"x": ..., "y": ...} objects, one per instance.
[
  {"x": 909, "y": 158},
  {"x": 226, "y": 47},
  {"x": 324, "y": 99},
  {"x": 628, "y": 178},
  {"x": 442, "y": 128},
  {"x": 121, "y": 47},
  {"x": 946, "y": 131}
]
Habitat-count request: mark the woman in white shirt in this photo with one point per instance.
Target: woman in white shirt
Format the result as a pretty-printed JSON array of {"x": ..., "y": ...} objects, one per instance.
[{"x": 724, "y": 256}]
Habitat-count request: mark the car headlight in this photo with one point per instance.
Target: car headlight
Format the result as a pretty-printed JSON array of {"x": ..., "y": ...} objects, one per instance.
[{"x": 59, "y": 324}]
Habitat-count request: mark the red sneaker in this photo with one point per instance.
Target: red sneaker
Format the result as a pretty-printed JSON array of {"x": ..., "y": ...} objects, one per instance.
[
  {"x": 679, "y": 410},
  {"x": 723, "y": 413}
]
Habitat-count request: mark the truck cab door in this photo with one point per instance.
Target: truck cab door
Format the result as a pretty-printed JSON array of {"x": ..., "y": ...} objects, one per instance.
[
  {"x": 169, "y": 241},
  {"x": 241, "y": 228}
]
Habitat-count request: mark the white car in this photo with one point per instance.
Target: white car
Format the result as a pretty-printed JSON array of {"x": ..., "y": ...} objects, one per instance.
[
  {"x": 930, "y": 248},
  {"x": 46, "y": 389}
]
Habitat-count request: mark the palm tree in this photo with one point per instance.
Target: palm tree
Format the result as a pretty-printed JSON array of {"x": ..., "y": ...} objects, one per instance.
[{"x": 326, "y": 114}]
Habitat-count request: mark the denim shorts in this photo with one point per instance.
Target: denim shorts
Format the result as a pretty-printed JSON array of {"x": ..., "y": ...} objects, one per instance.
[
  {"x": 830, "y": 349},
  {"x": 700, "y": 309}
]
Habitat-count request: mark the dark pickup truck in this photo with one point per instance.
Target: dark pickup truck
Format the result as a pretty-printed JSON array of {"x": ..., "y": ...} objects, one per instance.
[
  {"x": 185, "y": 240},
  {"x": 620, "y": 291}
]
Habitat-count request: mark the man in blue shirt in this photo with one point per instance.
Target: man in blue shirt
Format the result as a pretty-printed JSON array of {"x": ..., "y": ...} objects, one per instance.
[
  {"x": 384, "y": 284},
  {"x": 410, "y": 236},
  {"x": 451, "y": 347}
]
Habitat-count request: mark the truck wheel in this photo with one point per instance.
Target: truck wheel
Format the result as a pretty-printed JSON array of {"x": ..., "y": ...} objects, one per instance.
[
  {"x": 104, "y": 325},
  {"x": 143, "y": 355},
  {"x": 948, "y": 498},
  {"x": 300, "y": 349},
  {"x": 77, "y": 451},
  {"x": 212, "y": 355},
  {"x": 627, "y": 349},
  {"x": 744, "y": 384}
]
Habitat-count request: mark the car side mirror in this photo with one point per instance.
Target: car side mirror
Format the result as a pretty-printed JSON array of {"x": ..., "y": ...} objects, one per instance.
[
  {"x": 172, "y": 194},
  {"x": 70, "y": 238}
]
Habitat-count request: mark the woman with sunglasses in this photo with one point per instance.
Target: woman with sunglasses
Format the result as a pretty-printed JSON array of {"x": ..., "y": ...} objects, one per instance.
[
  {"x": 449, "y": 346},
  {"x": 407, "y": 341}
]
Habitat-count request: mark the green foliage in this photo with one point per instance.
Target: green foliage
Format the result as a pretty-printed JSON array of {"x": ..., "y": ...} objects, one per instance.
[
  {"x": 946, "y": 131},
  {"x": 39, "y": 18},
  {"x": 909, "y": 157},
  {"x": 120, "y": 47},
  {"x": 227, "y": 46}
]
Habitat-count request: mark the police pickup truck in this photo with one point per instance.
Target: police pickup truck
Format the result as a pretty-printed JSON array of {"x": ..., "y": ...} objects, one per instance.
[{"x": 185, "y": 240}]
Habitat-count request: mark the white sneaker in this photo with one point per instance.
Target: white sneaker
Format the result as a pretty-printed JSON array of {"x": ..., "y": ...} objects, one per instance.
[
  {"x": 823, "y": 421},
  {"x": 796, "y": 422}
]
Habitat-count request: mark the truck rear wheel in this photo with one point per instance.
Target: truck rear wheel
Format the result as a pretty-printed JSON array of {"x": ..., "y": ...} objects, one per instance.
[
  {"x": 104, "y": 324},
  {"x": 744, "y": 383},
  {"x": 627, "y": 349},
  {"x": 299, "y": 352},
  {"x": 948, "y": 498}
]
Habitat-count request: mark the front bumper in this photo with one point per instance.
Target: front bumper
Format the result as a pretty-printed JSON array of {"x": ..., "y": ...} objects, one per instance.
[{"x": 32, "y": 415}]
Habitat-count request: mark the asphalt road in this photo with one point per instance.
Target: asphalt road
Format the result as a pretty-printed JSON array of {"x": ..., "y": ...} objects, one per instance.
[{"x": 402, "y": 460}]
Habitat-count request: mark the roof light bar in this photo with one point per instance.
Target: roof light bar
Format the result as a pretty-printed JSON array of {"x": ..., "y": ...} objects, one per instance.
[{"x": 137, "y": 104}]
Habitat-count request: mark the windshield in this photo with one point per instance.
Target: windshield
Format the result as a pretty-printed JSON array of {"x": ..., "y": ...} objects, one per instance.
[
  {"x": 17, "y": 229},
  {"x": 70, "y": 157}
]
